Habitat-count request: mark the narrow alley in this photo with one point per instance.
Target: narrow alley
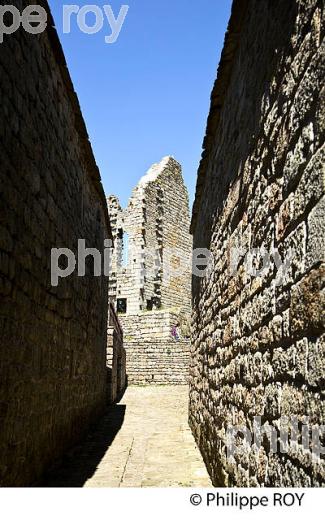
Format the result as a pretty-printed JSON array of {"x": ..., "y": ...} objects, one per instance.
[
  {"x": 143, "y": 441},
  {"x": 162, "y": 291}
]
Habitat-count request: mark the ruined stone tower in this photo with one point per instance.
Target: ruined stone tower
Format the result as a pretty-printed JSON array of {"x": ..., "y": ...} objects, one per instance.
[{"x": 150, "y": 281}]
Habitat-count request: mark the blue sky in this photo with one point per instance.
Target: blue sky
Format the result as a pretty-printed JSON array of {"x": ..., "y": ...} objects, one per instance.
[{"x": 148, "y": 94}]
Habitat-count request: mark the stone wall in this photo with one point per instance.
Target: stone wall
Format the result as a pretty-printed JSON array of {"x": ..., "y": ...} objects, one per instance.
[
  {"x": 258, "y": 344},
  {"x": 156, "y": 222},
  {"x": 150, "y": 272},
  {"x": 154, "y": 356},
  {"x": 116, "y": 358},
  {"x": 52, "y": 339}
]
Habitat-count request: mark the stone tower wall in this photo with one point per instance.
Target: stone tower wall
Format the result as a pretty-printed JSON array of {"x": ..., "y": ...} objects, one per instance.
[
  {"x": 176, "y": 240},
  {"x": 52, "y": 339},
  {"x": 258, "y": 341},
  {"x": 158, "y": 292},
  {"x": 157, "y": 223}
]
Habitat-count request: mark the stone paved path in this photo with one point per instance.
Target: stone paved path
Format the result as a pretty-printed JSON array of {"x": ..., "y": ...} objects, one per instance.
[{"x": 142, "y": 441}]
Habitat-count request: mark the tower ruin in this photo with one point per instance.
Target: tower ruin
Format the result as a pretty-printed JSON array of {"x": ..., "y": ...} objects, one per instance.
[{"x": 150, "y": 282}]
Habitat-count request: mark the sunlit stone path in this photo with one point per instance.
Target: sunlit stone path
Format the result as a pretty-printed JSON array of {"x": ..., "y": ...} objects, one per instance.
[{"x": 143, "y": 441}]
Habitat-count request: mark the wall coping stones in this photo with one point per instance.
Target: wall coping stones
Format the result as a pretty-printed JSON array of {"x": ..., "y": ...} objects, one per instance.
[
  {"x": 79, "y": 122},
  {"x": 218, "y": 95}
]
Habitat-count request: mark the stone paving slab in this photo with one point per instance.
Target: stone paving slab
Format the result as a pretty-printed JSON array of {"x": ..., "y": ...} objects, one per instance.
[{"x": 144, "y": 441}]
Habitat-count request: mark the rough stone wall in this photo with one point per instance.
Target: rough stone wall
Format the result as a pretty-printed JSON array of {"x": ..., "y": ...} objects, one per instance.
[
  {"x": 52, "y": 339},
  {"x": 258, "y": 346},
  {"x": 157, "y": 223},
  {"x": 153, "y": 355},
  {"x": 115, "y": 358},
  {"x": 154, "y": 274}
]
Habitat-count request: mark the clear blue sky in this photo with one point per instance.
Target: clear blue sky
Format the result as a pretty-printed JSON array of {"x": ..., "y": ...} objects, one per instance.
[{"x": 148, "y": 94}]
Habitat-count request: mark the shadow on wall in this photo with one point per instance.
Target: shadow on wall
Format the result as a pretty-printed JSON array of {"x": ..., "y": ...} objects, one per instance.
[{"x": 81, "y": 462}]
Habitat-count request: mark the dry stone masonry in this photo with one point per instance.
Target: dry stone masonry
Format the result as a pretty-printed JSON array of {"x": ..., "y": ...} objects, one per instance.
[
  {"x": 150, "y": 281},
  {"x": 153, "y": 356},
  {"x": 115, "y": 358},
  {"x": 258, "y": 341},
  {"x": 257, "y": 329},
  {"x": 52, "y": 339}
]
